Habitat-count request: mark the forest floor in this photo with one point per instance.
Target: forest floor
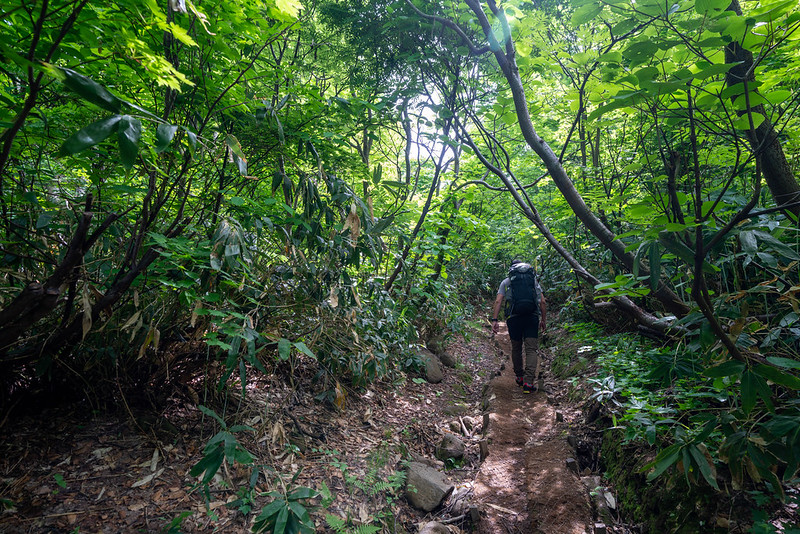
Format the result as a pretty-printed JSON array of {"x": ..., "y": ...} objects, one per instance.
[{"x": 67, "y": 469}]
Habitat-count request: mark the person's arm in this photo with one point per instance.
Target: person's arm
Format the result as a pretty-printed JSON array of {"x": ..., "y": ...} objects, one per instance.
[
  {"x": 543, "y": 312},
  {"x": 496, "y": 312}
]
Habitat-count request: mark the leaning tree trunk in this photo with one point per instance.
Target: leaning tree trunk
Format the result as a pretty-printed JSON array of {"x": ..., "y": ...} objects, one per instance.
[
  {"x": 778, "y": 174},
  {"x": 622, "y": 302},
  {"x": 506, "y": 60}
]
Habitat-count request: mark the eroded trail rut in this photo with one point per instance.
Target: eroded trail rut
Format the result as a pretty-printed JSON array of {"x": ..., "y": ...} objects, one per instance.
[{"x": 524, "y": 483}]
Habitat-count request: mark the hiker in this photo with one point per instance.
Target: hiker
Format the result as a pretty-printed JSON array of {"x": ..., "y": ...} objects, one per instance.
[{"x": 526, "y": 313}]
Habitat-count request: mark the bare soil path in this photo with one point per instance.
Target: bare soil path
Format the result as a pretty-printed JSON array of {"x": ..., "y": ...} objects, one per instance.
[{"x": 525, "y": 482}]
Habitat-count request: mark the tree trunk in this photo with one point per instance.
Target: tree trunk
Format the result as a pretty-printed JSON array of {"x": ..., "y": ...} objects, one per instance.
[
  {"x": 508, "y": 65},
  {"x": 778, "y": 174}
]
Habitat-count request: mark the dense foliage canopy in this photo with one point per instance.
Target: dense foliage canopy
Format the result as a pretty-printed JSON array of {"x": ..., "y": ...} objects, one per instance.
[{"x": 322, "y": 184}]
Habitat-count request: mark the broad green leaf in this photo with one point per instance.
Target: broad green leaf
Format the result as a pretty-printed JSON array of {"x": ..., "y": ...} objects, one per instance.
[
  {"x": 91, "y": 91},
  {"x": 585, "y": 13},
  {"x": 89, "y": 136},
  {"x": 164, "y": 135},
  {"x": 614, "y": 56},
  {"x": 778, "y": 376},
  {"x": 753, "y": 99},
  {"x": 129, "y": 132},
  {"x": 646, "y": 74},
  {"x": 748, "y": 240},
  {"x": 284, "y": 349},
  {"x": 784, "y": 362},
  {"x": 703, "y": 463},
  {"x": 777, "y": 245},
  {"x": 234, "y": 145},
  {"x": 282, "y": 520},
  {"x": 705, "y": 6},
  {"x": 44, "y": 219},
  {"x": 663, "y": 461},
  {"x": 729, "y": 368},
  {"x": 305, "y": 350},
  {"x": 778, "y": 96},
  {"x": 211, "y": 413},
  {"x": 703, "y": 69}
]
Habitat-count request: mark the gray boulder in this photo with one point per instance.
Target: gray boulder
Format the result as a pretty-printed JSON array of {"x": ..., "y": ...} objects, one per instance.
[
  {"x": 426, "y": 488},
  {"x": 450, "y": 447},
  {"x": 448, "y": 360},
  {"x": 433, "y": 371}
]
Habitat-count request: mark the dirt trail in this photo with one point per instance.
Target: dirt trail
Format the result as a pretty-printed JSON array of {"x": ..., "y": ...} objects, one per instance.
[{"x": 524, "y": 483}]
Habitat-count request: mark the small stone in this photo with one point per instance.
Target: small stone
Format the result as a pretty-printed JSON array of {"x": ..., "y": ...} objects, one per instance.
[
  {"x": 572, "y": 465},
  {"x": 448, "y": 359},
  {"x": 450, "y": 447},
  {"x": 599, "y": 528},
  {"x": 433, "y": 371},
  {"x": 591, "y": 482},
  {"x": 454, "y": 426},
  {"x": 587, "y": 471},
  {"x": 572, "y": 441},
  {"x": 474, "y": 514},
  {"x": 434, "y": 527}
]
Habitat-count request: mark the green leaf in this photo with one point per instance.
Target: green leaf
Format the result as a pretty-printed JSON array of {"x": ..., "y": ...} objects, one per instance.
[
  {"x": 44, "y": 219},
  {"x": 284, "y": 349},
  {"x": 129, "y": 132},
  {"x": 663, "y": 461},
  {"x": 783, "y": 362},
  {"x": 91, "y": 135},
  {"x": 586, "y": 13},
  {"x": 703, "y": 464},
  {"x": 208, "y": 465},
  {"x": 729, "y": 368},
  {"x": 743, "y": 122},
  {"x": 777, "y": 245},
  {"x": 749, "y": 391},
  {"x": 301, "y": 493},
  {"x": 778, "y": 96},
  {"x": 704, "y": 6},
  {"x": 211, "y": 413},
  {"x": 281, "y": 521},
  {"x": 707, "y": 70},
  {"x": 164, "y": 135},
  {"x": 748, "y": 240},
  {"x": 778, "y": 376},
  {"x": 92, "y": 91},
  {"x": 305, "y": 350}
]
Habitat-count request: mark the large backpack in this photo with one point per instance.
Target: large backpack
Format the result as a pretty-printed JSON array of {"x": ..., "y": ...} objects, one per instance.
[{"x": 522, "y": 297}]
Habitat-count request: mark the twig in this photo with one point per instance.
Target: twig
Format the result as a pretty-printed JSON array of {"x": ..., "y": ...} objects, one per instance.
[{"x": 453, "y": 519}]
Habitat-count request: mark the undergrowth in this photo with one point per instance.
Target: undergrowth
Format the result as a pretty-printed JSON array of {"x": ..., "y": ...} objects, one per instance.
[{"x": 720, "y": 428}]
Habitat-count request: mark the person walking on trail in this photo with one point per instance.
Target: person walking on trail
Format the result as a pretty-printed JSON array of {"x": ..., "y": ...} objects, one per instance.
[{"x": 526, "y": 314}]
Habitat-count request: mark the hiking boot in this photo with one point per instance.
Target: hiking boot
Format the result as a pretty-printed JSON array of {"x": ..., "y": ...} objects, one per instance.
[
  {"x": 528, "y": 388},
  {"x": 519, "y": 381}
]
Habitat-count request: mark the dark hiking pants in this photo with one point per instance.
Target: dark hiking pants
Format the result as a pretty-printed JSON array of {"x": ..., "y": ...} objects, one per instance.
[{"x": 524, "y": 333}]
